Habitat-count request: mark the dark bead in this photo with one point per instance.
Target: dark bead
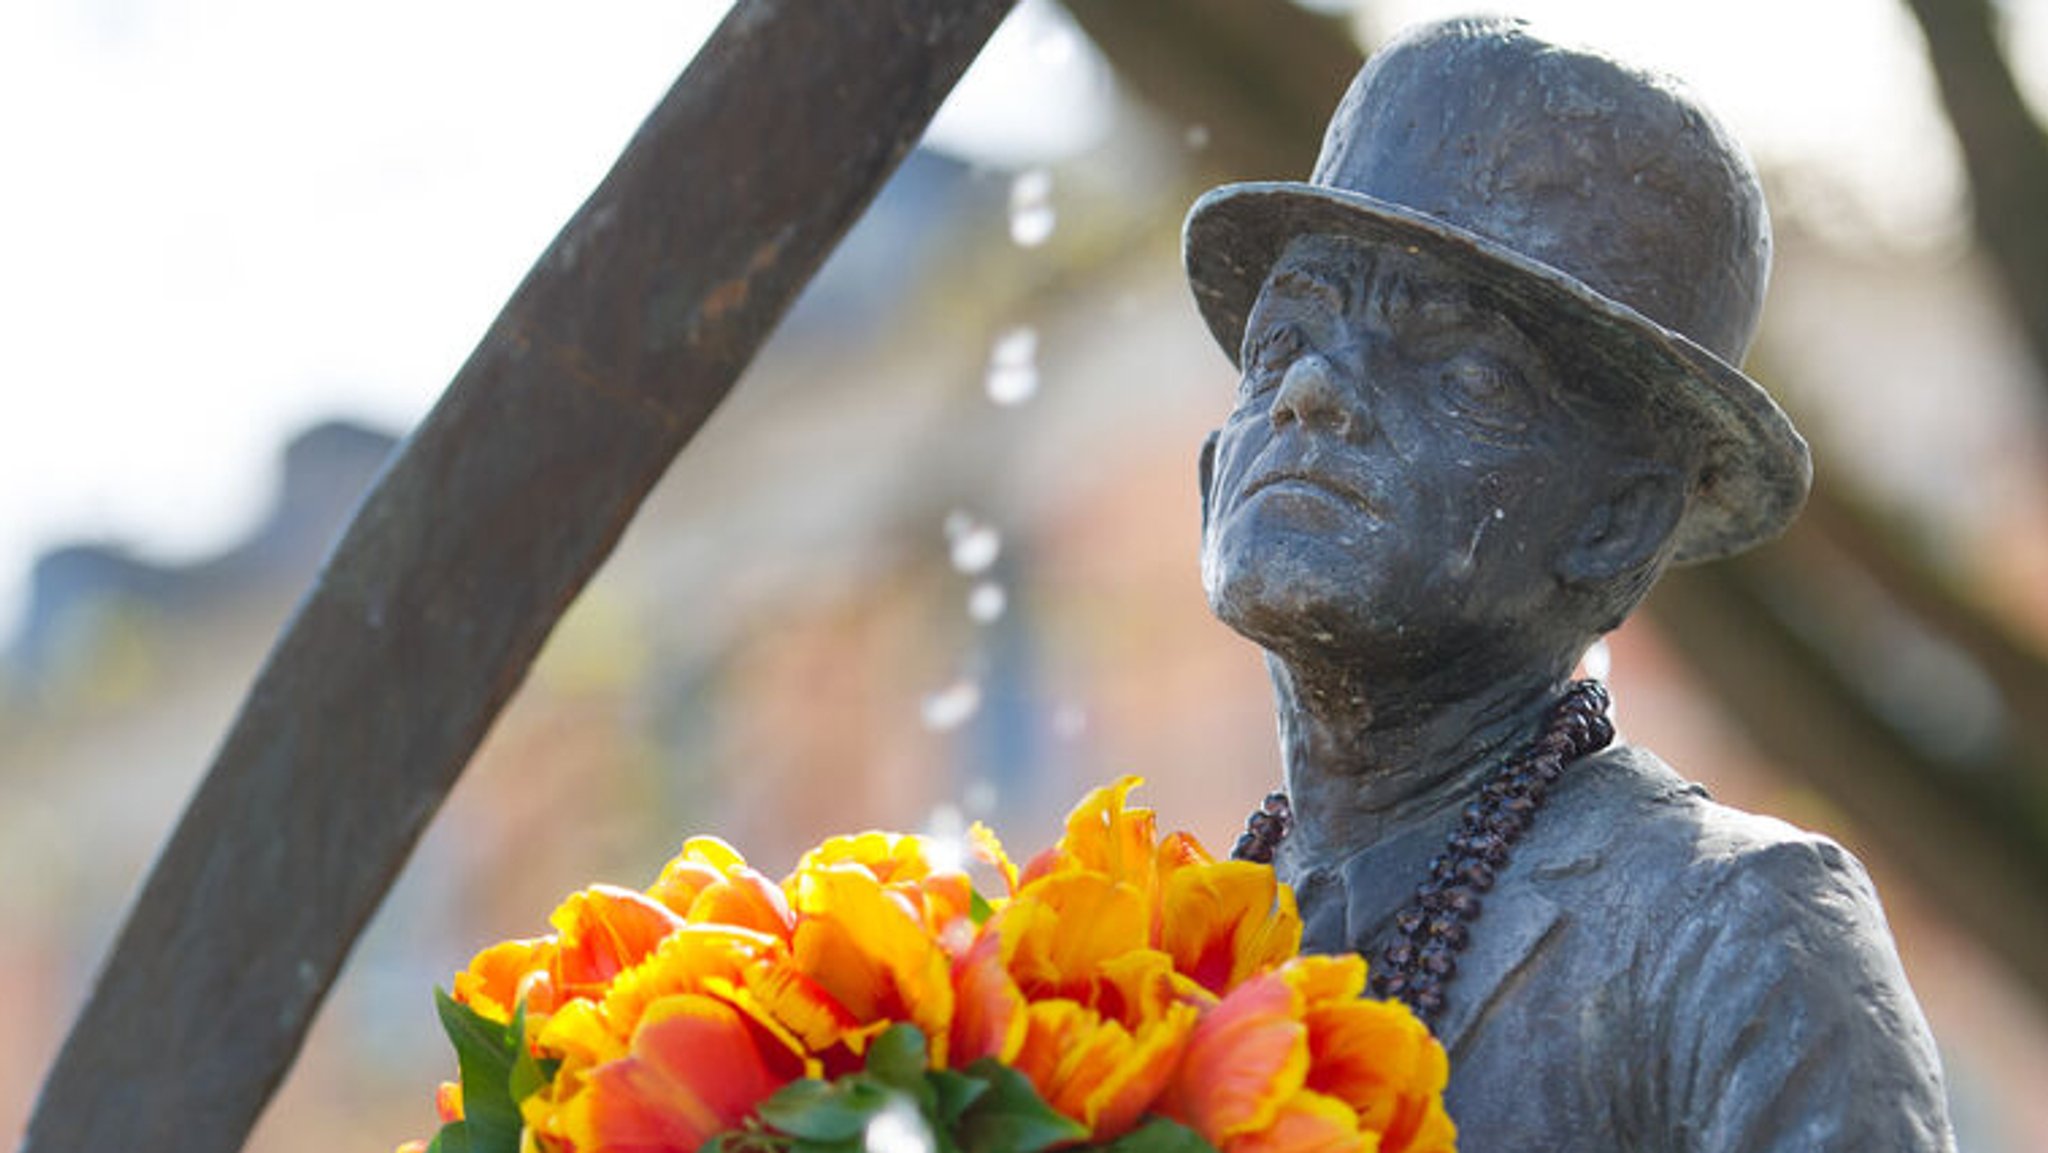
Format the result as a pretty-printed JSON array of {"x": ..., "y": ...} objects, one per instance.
[
  {"x": 1450, "y": 932},
  {"x": 1601, "y": 733},
  {"x": 1462, "y": 901},
  {"x": 1408, "y": 922},
  {"x": 1521, "y": 806},
  {"x": 1427, "y": 1003},
  {"x": 1474, "y": 814},
  {"x": 1389, "y": 984},
  {"x": 1596, "y": 692},
  {"x": 1555, "y": 744},
  {"x": 1443, "y": 963},
  {"x": 1401, "y": 954},
  {"x": 1277, "y": 804},
  {"x": 1250, "y": 848},
  {"x": 1548, "y": 767},
  {"x": 1477, "y": 874},
  {"x": 1443, "y": 867},
  {"x": 1575, "y": 729}
]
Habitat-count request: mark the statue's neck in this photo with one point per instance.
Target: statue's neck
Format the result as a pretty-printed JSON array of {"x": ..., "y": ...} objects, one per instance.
[{"x": 1364, "y": 762}]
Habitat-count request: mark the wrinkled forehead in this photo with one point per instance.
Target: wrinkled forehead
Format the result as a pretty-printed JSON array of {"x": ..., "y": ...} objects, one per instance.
[
  {"x": 1380, "y": 285},
  {"x": 1407, "y": 290}
]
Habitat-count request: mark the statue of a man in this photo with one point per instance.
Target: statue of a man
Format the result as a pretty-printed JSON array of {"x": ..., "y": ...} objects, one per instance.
[{"x": 1489, "y": 392}]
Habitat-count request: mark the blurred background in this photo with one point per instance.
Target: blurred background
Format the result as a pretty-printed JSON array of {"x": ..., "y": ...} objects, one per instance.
[{"x": 934, "y": 562}]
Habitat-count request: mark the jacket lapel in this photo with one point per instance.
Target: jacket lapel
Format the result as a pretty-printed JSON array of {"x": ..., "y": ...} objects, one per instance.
[{"x": 1505, "y": 940}]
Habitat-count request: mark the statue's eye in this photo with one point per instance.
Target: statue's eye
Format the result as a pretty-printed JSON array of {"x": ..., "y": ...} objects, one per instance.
[
  {"x": 1275, "y": 349},
  {"x": 1486, "y": 391}
]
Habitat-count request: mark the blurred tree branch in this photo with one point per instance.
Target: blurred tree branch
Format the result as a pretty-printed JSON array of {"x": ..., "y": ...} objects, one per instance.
[
  {"x": 2004, "y": 151},
  {"x": 1953, "y": 784}
]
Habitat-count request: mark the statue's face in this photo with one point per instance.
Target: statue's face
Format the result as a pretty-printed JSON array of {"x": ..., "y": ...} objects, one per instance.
[{"x": 1400, "y": 470}]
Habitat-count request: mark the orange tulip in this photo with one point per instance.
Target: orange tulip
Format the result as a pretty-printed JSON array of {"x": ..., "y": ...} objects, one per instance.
[
  {"x": 1226, "y": 920},
  {"x": 1094, "y": 1069},
  {"x": 1102, "y": 836},
  {"x": 505, "y": 974},
  {"x": 697, "y": 1068},
  {"x": 1247, "y": 1056},
  {"x": 1293, "y": 1059},
  {"x": 604, "y": 931},
  {"x": 868, "y": 947}
]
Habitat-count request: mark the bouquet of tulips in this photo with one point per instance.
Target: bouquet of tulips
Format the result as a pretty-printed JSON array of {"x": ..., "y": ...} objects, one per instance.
[{"x": 1123, "y": 992}]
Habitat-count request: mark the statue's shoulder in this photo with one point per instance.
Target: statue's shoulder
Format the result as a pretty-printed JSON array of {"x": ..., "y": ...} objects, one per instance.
[{"x": 1637, "y": 816}]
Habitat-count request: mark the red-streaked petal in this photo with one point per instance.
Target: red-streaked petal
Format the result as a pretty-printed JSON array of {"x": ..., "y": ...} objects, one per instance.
[
  {"x": 1248, "y": 1055},
  {"x": 1226, "y": 920},
  {"x": 745, "y": 898},
  {"x": 1309, "y": 1123},
  {"x": 605, "y": 930},
  {"x": 696, "y": 1069}
]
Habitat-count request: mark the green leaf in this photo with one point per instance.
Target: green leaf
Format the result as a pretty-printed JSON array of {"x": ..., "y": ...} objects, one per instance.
[
  {"x": 978, "y": 908},
  {"x": 453, "y": 1138},
  {"x": 1011, "y": 1117},
  {"x": 898, "y": 1057},
  {"x": 954, "y": 1092},
  {"x": 485, "y": 1052},
  {"x": 825, "y": 1111},
  {"x": 1160, "y": 1135}
]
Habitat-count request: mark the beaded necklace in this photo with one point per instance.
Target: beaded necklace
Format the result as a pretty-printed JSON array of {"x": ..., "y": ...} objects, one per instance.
[{"x": 1434, "y": 927}]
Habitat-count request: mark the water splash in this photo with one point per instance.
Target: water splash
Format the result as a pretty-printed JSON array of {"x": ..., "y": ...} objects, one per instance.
[
  {"x": 950, "y": 707},
  {"x": 945, "y": 838},
  {"x": 1031, "y": 213},
  {"x": 899, "y": 1128},
  {"x": 1013, "y": 366},
  {"x": 1069, "y": 721},
  {"x": 971, "y": 545},
  {"x": 986, "y": 602}
]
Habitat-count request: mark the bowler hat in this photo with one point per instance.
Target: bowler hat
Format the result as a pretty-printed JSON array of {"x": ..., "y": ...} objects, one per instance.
[{"x": 1599, "y": 207}]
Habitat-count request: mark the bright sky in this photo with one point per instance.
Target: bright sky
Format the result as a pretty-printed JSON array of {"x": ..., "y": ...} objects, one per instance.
[{"x": 223, "y": 219}]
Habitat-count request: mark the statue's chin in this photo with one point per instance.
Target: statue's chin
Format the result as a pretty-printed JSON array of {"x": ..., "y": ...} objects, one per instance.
[{"x": 1297, "y": 613}]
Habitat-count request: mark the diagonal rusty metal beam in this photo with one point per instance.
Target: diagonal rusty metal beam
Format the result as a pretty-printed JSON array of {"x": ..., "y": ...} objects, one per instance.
[{"x": 608, "y": 358}]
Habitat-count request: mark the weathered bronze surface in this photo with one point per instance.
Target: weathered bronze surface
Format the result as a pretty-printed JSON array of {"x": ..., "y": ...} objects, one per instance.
[
  {"x": 613, "y": 352},
  {"x": 1489, "y": 395}
]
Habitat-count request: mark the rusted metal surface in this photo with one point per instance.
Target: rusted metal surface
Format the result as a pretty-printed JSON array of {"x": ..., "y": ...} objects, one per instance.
[{"x": 613, "y": 352}]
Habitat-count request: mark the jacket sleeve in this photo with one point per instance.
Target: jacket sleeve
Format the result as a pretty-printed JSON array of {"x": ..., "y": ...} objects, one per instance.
[{"x": 1788, "y": 1024}]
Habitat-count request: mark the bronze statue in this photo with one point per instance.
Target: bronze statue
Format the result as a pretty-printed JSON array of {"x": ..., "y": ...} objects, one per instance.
[{"x": 1489, "y": 392}]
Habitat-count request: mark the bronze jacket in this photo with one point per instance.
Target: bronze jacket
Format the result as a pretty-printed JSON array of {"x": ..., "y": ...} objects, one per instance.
[{"x": 1656, "y": 973}]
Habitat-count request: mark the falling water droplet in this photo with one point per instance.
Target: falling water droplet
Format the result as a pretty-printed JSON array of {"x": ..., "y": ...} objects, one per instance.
[
  {"x": 899, "y": 1128},
  {"x": 1197, "y": 137},
  {"x": 986, "y": 602},
  {"x": 1013, "y": 366},
  {"x": 950, "y": 707},
  {"x": 973, "y": 546},
  {"x": 1069, "y": 722},
  {"x": 1031, "y": 212},
  {"x": 980, "y": 797},
  {"x": 945, "y": 838}
]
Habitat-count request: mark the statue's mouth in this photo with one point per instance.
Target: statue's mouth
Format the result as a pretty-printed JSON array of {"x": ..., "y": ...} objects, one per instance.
[{"x": 1314, "y": 482}]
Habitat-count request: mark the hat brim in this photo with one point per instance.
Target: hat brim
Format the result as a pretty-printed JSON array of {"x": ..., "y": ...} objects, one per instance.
[{"x": 1756, "y": 469}]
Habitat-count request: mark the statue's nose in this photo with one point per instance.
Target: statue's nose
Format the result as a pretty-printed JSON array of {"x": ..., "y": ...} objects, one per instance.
[{"x": 1310, "y": 393}]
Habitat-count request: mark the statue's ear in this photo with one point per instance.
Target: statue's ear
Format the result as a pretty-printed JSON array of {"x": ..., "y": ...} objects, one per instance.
[
  {"x": 1625, "y": 531},
  {"x": 1205, "y": 469}
]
